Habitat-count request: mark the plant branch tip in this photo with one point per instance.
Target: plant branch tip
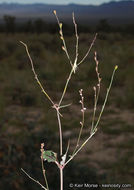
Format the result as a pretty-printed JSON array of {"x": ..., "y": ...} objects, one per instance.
[
  {"x": 116, "y": 67},
  {"x": 23, "y": 43},
  {"x": 64, "y": 106},
  {"x": 54, "y": 12}
]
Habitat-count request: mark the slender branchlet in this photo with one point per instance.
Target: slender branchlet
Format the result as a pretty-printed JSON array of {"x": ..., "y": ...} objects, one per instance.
[
  {"x": 42, "y": 165},
  {"x": 77, "y": 44},
  {"x": 83, "y": 109},
  {"x": 96, "y": 90},
  {"x": 64, "y": 47},
  {"x": 105, "y": 100},
  {"x": 97, "y": 68},
  {"x": 35, "y": 75},
  {"x": 68, "y": 147},
  {"x": 89, "y": 50},
  {"x": 65, "y": 87},
  {"x": 60, "y": 132},
  {"x": 36, "y": 181}
]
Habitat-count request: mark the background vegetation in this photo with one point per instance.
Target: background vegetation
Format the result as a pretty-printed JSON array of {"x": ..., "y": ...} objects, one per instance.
[{"x": 26, "y": 118}]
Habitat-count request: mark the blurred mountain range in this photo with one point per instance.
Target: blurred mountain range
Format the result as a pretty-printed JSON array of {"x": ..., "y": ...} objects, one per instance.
[{"x": 118, "y": 12}]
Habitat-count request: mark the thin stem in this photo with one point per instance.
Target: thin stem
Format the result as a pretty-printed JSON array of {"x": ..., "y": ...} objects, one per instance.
[
  {"x": 77, "y": 37},
  {"x": 34, "y": 179},
  {"x": 64, "y": 106},
  {"x": 35, "y": 75},
  {"x": 67, "y": 147},
  {"x": 62, "y": 38},
  {"x": 44, "y": 172},
  {"x": 94, "y": 111},
  {"x": 42, "y": 164},
  {"x": 60, "y": 132},
  {"x": 62, "y": 162},
  {"x": 65, "y": 88},
  {"x": 77, "y": 44},
  {"x": 85, "y": 142},
  {"x": 106, "y": 97},
  {"x": 96, "y": 93},
  {"x": 61, "y": 178},
  {"x": 83, "y": 119},
  {"x": 80, "y": 133},
  {"x": 83, "y": 59}
]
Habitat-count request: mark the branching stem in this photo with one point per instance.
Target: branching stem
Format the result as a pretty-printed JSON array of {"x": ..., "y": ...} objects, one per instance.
[{"x": 95, "y": 128}]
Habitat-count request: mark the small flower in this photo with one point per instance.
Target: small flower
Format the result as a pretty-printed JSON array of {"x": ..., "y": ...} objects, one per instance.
[
  {"x": 42, "y": 145},
  {"x": 63, "y": 48},
  {"x": 80, "y": 91},
  {"x": 94, "y": 88},
  {"x": 54, "y": 12}
]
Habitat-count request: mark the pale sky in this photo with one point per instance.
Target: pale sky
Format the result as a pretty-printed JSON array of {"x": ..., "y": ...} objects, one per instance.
[{"x": 93, "y": 2}]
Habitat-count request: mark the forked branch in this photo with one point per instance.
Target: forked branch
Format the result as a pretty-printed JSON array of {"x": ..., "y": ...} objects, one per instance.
[{"x": 97, "y": 123}]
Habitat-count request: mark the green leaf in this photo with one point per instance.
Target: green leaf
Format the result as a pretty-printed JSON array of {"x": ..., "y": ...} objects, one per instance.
[{"x": 50, "y": 156}]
